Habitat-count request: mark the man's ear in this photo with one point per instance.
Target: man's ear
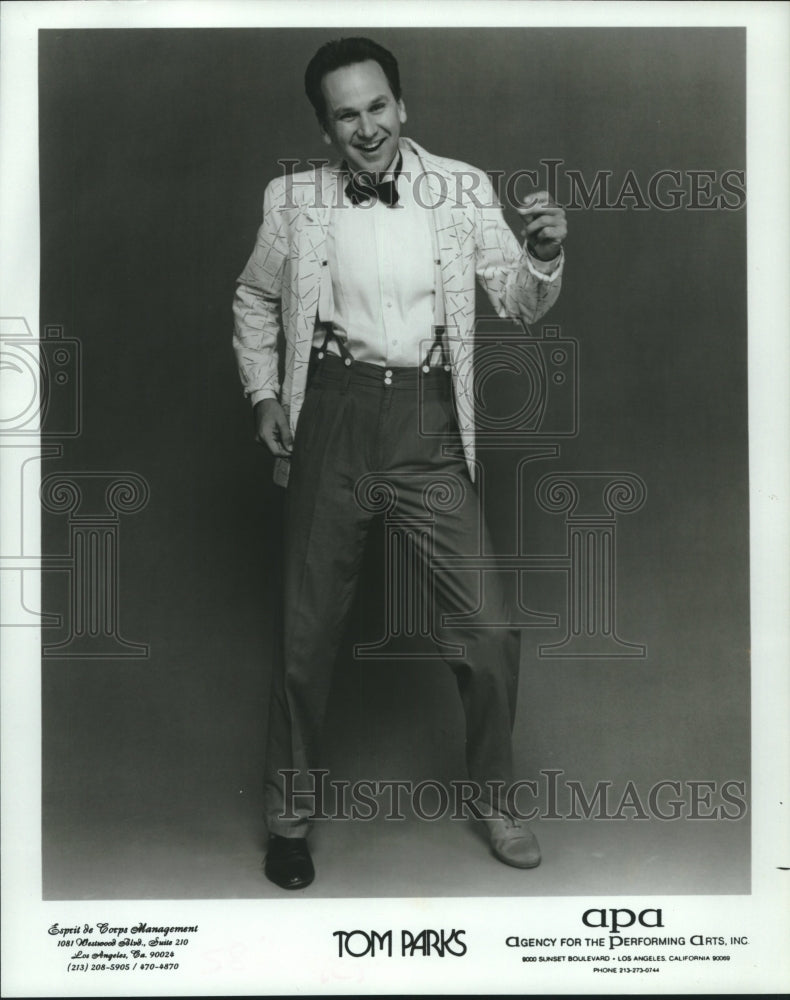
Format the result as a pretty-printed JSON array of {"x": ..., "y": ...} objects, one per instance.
[
  {"x": 401, "y": 112},
  {"x": 324, "y": 133}
]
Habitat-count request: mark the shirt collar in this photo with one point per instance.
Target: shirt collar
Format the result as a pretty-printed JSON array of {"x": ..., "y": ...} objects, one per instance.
[{"x": 392, "y": 172}]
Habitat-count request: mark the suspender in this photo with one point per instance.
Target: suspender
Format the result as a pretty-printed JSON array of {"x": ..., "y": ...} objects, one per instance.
[
  {"x": 348, "y": 359},
  {"x": 326, "y": 306}
]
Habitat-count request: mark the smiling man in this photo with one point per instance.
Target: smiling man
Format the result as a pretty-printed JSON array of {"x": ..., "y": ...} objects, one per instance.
[
  {"x": 360, "y": 115},
  {"x": 368, "y": 268}
]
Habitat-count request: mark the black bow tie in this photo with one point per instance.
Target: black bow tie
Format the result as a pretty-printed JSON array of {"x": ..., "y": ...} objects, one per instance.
[{"x": 364, "y": 187}]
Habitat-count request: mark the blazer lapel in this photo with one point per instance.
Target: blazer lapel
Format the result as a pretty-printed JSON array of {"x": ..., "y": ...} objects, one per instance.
[
  {"x": 455, "y": 244},
  {"x": 310, "y": 274},
  {"x": 310, "y": 261},
  {"x": 309, "y": 270}
]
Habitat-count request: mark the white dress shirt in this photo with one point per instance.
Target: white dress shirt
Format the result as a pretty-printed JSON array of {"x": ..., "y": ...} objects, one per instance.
[{"x": 383, "y": 276}]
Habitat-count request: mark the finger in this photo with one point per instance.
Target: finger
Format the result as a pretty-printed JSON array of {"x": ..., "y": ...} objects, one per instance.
[
  {"x": 527, "y": 211},
  {"x": 557, "y": 229},
  {"x": 545, "y": 217},
  {"x": 270, "y": 439},
  {"x": 537, "y": 202},
  {"x": 535, "y": 197},
  {"x": 284, "y": 433},
  {"x": 546, "y": 246},
  {"x": 533, "y": 209},
  {"x": 541, "y": 223},
  {"x": 269, "y": 443},
  {"x": 551, "y": 235},
  {"x": 554, "y": 232}
]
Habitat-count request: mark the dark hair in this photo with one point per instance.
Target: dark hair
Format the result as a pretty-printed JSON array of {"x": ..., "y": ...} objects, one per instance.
[{"x": 346, "y": 52}]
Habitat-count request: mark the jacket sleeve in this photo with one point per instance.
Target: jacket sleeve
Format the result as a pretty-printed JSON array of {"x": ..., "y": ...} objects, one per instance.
[
  {"x": 519, "y": 287},
  {"x": 257, "y": 302}
]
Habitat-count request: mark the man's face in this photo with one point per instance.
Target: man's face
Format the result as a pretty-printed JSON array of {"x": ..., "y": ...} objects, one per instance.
[{"x": 363, "y": 119}]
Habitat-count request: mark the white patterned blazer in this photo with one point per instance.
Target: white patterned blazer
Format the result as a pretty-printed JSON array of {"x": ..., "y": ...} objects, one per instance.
[{"x": 287, "y": 276}]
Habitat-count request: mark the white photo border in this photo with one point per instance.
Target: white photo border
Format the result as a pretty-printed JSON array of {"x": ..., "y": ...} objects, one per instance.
[{"x": 285, "y": 952}]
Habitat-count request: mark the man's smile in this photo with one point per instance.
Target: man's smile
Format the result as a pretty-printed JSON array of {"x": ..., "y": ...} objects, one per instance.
[{"x": 370, "y": 147}]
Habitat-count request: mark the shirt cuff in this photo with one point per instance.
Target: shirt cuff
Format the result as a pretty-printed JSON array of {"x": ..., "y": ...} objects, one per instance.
[
  {"x": 259, "y": 394},
  {"x": 544, "y": 270}
]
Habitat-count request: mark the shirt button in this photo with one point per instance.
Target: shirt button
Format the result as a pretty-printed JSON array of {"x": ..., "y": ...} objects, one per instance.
[{"x": 389, "y": 305}]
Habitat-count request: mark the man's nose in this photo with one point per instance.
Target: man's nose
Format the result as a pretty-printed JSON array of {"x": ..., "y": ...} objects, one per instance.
[{"x": 367, "y": 126}]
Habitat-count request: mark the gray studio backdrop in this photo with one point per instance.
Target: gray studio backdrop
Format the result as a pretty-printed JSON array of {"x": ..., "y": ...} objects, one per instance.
[{"x": 155, "y": 147}]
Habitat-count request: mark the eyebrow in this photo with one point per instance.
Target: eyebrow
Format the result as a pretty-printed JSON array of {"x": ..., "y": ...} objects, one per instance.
[{"x": 344, "y": 110}]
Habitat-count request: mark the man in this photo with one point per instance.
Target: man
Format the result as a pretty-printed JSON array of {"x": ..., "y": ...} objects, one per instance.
[{"x": 370, "y": 267}]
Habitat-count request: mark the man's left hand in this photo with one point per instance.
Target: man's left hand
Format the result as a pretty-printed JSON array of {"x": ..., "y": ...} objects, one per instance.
[{"x": 545, "y": 227}]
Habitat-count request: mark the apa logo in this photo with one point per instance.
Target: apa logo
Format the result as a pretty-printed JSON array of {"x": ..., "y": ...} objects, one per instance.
[{"x": 620, "y": 918}]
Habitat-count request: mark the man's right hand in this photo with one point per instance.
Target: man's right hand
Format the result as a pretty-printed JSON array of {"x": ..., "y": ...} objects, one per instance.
[{"x": 271, "y": 428}]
